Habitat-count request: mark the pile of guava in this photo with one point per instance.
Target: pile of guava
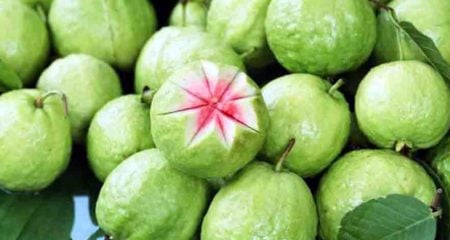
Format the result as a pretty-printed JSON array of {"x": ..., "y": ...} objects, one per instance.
[{"x": 229, "y": 119}]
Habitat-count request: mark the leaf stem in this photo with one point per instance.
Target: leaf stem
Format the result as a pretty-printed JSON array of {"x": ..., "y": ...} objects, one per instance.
[
  {"x": 285, "y": 154},
  {"x": 39, "y": 101}
]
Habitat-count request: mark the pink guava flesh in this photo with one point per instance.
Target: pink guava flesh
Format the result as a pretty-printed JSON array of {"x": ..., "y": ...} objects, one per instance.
[{"x": 217, "y": 102}]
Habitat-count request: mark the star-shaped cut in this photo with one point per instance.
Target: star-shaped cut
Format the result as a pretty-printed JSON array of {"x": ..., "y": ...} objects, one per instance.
[{"x": 220, "y": 101}]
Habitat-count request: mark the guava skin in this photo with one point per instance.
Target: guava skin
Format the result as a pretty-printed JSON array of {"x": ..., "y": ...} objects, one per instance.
[
  {"x": 35, "y": 143},
  {"x": 118, "y": 130},
  {"x": 403, "y": 101},
  {"x": 260, "y": 203},
  {"x": 428, "y": 16},
  {"x": 241, "y": 25},
  {"x": 209, "y": 136},
  {"x": 145, "y": 198},
  {"x": 301, "y": 107},
  {"x": 362, "y": 175},
  {"x": 88, "y": 83},
  {"x": 114, "y": 30},
  {"x": 24, "y": 42},
  {"x": 173, "y": 47},
  {"x": 192, "y": 14},
  {"x": 321, "y": 37}
]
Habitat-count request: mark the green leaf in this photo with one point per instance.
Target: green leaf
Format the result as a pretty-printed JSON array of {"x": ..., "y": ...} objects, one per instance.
[
  {"x": 428, "y": 49},
  {"x": 424, "y": 44},
  {"x": 9, "y": 80},
  {"x": 391, "y": 218},
  {"x": 44, "y": 216},
  {"x": 99, "y": 234}
]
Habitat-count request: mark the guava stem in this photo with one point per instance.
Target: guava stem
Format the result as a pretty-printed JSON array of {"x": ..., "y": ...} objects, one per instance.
[
  {"x": 41, "y": 12},
  {"x": 436, "y": 203},
  {"x": 184, "y": 6},
  {"x": 399, "y": 146},
  {"x": 39, "y": 101},
  {"x": 285, "y": 154},
  {"x": 437, "y": 213},
  {"x": 336, "y": 86},
  {"x": 380, "y": 4},
  {"x": 147, "y": 95},
  {"x": 247, "y": 53}
]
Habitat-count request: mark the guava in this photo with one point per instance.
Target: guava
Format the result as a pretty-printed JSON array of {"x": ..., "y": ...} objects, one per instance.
[
  {"x": 321, "y": 37},
  {"x": 309, "y": 109},
  {"x": 261, "y": 203},
  {"x": 428, "y": 16},
  {"x": 35, "y": 142},
  {"x": 113, "y": 31},
  {"x": 440, "y": 156},
  {"x": 88, "y": 83},
  {"x": 173, "y": 47},
  {"x": 241, "y": 25},
  {"x": 403, "y": 103},
  {"x": 209, "y": 119},
  {"x": 118, "y": 130},
  {"x": 145, "y": 198},
  {"x": 363, "y": 175},
  {"x": 24, "y": 42},
  {"x": 190, "y": 13}
]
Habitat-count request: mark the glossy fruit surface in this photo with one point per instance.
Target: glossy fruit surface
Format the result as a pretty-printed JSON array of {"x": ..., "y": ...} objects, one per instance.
[
  {"x": 362, "y": 175},
  {"x": 145, "y": 198},
  {"x": 35, "y": 142},
  {"x": 321, "y": 37},
  {"x": 303, "y": 106},
  {"x": 403, "y": 101},
  {"x": 209, "y": 119}
]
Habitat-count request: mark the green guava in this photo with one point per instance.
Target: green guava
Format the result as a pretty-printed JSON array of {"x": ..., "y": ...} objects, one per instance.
[
  {"x": 114, "y": 30},
  {"x": 261, "y": 203},
  {"x": 403, "y": 103},
  {"x": 428, "y": 16},
  {"x": 321, "y": 37},
  {"x": 88, "y": 83},
  {"x": 189, "y": 14},
  {"x": 362, "y": 175},
  {"x": 145, "y": 198},
  {"x": 35, "y": 142},
  {"x": 118, "y": 130},
  {"x": 440, "y": 156},
  {"x": 208, "y": 119},
  {"x": 173, "y": 47},
  {"x": 309, "y": 109},
  {"x": 241, "y": 25},
  {"x": 24, "y": 43}
]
